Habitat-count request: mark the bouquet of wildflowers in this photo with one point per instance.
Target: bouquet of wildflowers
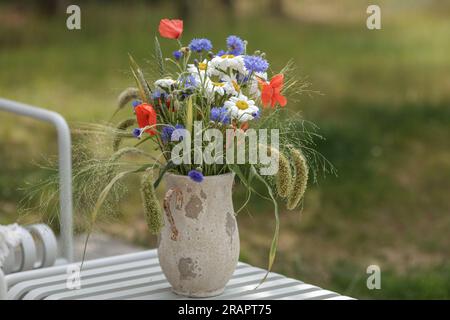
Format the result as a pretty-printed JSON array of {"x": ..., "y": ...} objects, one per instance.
[
  {"x": 207, "y": 111},
  {"x": 226, "y": 91}
]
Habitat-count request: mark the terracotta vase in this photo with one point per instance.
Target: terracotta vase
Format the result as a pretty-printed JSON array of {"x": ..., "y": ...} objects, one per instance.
[{"x": 199, "y": 244}]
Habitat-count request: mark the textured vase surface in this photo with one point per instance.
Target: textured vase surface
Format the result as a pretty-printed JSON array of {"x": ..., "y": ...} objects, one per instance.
[{"x": 199, "y": 244}]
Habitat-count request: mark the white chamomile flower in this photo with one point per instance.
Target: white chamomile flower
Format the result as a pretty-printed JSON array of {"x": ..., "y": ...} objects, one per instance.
[
  {"x": 215, "y": 87},
  {"x": 164, "y": 84},
  {"x": 198, "y": 72},
  {"x": 220, "y": 64},
  {"x": 226, "y": 86},
  {"x": 231, "y": 86},
  {"x": 242, "y": 108}
]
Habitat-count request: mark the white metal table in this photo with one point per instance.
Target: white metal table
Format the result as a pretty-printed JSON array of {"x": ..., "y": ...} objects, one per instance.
[{"x": 138, "y": 276}]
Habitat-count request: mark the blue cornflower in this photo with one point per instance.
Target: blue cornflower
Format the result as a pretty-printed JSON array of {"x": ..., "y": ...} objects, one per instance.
[
  {"x": 168, "y": 131},
  {"x": 189, "y": 81},
  {"x": 135, "y": 103},
  {"x": 178, "y": 135},
  {"x": 177, "y": 54},
  {"x": 156, "y": 94},
  {"x": 235, "y": 45},
  {"x": 215, "y": 114},
  {"x": 220, "y": 115},
  {"x": 137, "y": 133},
  {"x": 199, "y": 45},
  {"x": 196, "y": 175},
  {"x": 256, "y": 115},
  {"x": 221, "y": 53},
  {"x": 255, "y": 64}
]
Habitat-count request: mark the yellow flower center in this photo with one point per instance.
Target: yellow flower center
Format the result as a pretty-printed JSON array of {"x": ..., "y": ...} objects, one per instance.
[
  {"x": 226, "y": 56},
  {"x": 202, "y": 66},
  {"x": 241, "y": 104},
  {"x": 236, "y": 86},
  {"x": 218, "y": 84}
]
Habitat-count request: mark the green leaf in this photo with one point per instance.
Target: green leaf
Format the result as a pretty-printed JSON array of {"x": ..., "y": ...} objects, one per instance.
[
  {"x": 167, "y": 167},
  {"x": 246, "y": 180},
  {"x": 142, "y": 141},
  {"x": 274, "y": 244},
  {"x": 109, "y": 186},
  {"x": 189, "y": 117},
  {"x": 130, "y": 150}
]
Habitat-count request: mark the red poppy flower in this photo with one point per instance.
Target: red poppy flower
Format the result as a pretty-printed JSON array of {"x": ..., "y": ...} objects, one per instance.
[
  {"x": 146, "y": 116},
  {"x": 171, "y": 29},
  {"x": 271, "y": 91}
]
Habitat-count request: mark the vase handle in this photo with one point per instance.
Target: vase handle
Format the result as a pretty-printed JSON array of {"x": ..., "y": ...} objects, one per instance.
[{"x": 168, "y": 211}]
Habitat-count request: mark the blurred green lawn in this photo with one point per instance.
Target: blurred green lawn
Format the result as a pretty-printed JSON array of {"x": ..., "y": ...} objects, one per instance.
[{"x": 384, "y": 110}]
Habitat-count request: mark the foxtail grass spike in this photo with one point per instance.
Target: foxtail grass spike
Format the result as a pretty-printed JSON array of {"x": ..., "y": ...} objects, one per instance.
[
  {"x": 123, "y": 125},
  {"x": 284, "y": 176},
  {"x": 125, "y": 97},
  {"x": 300, "y": 181},
  {"x": 125, "y": 151},
  {"x": 152, "y": 209}
]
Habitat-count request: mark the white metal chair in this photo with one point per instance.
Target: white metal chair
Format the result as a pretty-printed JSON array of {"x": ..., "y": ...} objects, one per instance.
[
  {"x": 129, "y": 276},
  {"x": 38, "y": 248}
]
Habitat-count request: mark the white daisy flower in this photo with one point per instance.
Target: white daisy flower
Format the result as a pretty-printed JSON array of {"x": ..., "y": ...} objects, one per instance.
[
  {"x": 232, "y": 86},
  {"x": 164, "y": 84},
  {"x": 215, "y": 87},
  {"x": 242, "y": 108},
  {"x": 200, "y": 72},
  {"x": 220, "y": 64},
  {"x": 222, "y": 88}
]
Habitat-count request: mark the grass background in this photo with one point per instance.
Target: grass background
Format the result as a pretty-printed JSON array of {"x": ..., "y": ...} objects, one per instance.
[{"x": 384, "y": 109}]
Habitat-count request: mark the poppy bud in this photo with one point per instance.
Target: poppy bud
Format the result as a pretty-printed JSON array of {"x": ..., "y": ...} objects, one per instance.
[
  {"x": 171, "y": 29},
  {"x": 146, "y": 116}
]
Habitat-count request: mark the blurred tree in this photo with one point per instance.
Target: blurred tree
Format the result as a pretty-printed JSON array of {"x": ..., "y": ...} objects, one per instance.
[
  {"x": 48, "y": 7},
  {"x": 45, "y": 7},
  {"x": 276, "y": 7},
  {"x": 228, "y": 4},
  {"x": 184, "y": 8}
]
